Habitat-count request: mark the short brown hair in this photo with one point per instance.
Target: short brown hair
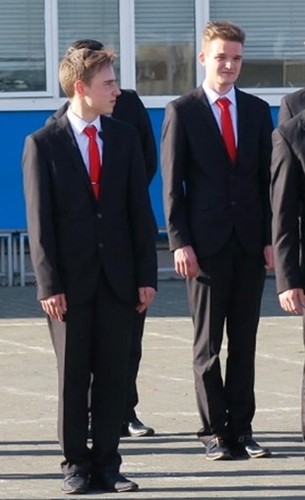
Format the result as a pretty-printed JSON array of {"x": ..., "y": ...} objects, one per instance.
[
  {"x": 85, "y": 43},
  {"x": 82, "y": 64},
  {"x": 224, "y": 30}
]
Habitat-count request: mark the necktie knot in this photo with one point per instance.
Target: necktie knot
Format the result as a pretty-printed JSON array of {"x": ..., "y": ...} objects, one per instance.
[
  {"x": 223, "y": 103},
  {"x": 90, "y": 132}
]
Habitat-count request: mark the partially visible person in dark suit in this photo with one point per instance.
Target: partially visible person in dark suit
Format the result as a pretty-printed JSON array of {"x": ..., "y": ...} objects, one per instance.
[
  {"x": 129, "y": 108},
  {"x": 92, "y": 241},
  {"x": 291, "y": 105},
  {"x": 216, "y": 152},
  {"x": 288, "y": 223}
]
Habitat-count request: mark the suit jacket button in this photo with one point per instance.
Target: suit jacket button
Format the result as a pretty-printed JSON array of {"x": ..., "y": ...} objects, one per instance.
[
  {"x": 99, "y": 215},
  {"x": 100, "y": 245},
  {"x": 233, "y": 203}
]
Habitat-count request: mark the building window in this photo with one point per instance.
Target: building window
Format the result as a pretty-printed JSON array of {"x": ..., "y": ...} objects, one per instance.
[
  {"x": 157, "y": 43},
  {"x": 275, "y": 37},
  {"x": 94, "y": 19},
  {"x": 165, "y": 46},
  {"x": 22, "y": 47}
]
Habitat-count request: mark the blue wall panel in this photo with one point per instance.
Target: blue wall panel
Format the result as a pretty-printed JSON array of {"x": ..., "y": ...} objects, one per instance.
[
  {"x": 274, "y": 113},
  {"x": 15, "y": 126},
  {"x": 157, "y": 116}
]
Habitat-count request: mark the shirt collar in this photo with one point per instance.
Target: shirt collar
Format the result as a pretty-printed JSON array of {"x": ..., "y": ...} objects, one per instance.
[
  {"x": 79, "y": 124},
  {"x": 212, "y": 95}
]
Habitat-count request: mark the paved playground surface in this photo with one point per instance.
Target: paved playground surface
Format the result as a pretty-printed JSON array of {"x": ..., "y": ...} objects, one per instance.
[{"x": 171, "y": 464}]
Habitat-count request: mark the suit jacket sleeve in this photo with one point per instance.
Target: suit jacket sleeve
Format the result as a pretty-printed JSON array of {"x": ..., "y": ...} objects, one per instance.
[
  {"x": 40, "y": 220},
  {"x": 285, "y": 186},
  {"x": 173, "y": 157},
  {"x": 147, "y": 139},
  {"x": 264, "y": 170},
  {"x": 142, "y": 221}
]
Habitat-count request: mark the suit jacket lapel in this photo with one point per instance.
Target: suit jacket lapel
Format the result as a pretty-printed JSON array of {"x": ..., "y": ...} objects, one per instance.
[
  {"x": 108, "y": 145},
  {"x": 301, "y": 142},
  {"x": 66, "y": 136},
  {"x": 206, "y": 111},
  {"x": 242, "y": 116},
  {"x": 293, "y": 130}
]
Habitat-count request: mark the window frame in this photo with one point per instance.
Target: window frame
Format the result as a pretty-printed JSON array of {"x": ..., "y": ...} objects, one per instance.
[
  {"x": 49, "y": 18},
  {"x": 50, "y": 98}
]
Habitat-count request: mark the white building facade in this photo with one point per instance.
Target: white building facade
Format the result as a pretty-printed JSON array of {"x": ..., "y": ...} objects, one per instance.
[{"x": 157, "y": 43}]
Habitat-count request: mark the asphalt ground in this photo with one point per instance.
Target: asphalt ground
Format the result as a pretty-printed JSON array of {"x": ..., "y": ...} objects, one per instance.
[{"x": 171, "y": 464}]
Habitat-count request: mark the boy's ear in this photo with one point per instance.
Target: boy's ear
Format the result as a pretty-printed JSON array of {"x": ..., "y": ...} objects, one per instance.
[{"x": 79, "y": 87}]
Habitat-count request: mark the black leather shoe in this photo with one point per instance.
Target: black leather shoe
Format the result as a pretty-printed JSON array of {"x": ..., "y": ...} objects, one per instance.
[
  {"x": 217, "y": 449},
  {"x": 136, "y": 428},
  {"x": 112, "y": 481},
  {"x": 75, "y": 484},
  {"x": 246, "y": 445}
]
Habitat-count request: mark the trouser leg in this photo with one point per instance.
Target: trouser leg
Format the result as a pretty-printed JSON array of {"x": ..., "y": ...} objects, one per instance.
[
  {"x": 134, "y": 364},
  {"x": 208, "y": 298},
  {"x": 72, "y": 344},
  {"x": 303, "y": 388},
  {"x": 228, "y": 288},
  {"x": 242, "y": 323},
  {"x": 110, "y": 354}
]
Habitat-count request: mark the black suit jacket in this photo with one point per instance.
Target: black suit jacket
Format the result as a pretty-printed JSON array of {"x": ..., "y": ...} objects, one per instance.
[
  {"x": 291, "y": 105},
  {"x": 130, "y": 109},
  {"x": 71, "y": 234},
  {"x": 205, "y": 196},
  {"x": 288, "y": 197}
]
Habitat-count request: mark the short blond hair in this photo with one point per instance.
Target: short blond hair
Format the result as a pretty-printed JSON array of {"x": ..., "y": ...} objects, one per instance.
[
  {"x": 82, "y": 64},
  {"x": 224, "y": 30}
]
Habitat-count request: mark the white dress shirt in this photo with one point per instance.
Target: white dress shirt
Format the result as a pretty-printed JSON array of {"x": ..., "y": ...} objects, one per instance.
[
  {"x": 212, "y": 97},
  {"x": 78, "y": 125}
]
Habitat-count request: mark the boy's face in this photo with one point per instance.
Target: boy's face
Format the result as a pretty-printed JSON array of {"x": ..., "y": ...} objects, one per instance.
[
  {"x": 101, "y": 93},
  {"x": 222, "y": 61}
]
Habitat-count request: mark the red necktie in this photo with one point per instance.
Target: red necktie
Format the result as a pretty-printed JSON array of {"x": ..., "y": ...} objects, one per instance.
[
  {"x": 94, "y": 160},
  {"x": 227, "y": 127}
]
